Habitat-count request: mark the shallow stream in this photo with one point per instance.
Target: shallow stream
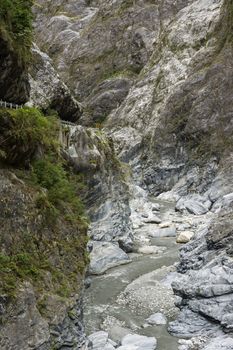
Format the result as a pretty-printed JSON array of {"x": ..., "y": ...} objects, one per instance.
[{"x": 122, "y": 299}]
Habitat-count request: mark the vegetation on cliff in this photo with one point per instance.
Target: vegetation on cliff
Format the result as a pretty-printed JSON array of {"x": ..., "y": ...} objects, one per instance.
[
  {"x": 16, "y": 25},
  {"x": 43, "y": 224}
]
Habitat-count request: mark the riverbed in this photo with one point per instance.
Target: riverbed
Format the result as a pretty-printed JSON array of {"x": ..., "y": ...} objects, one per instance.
[{"x": 120, "y": 301}]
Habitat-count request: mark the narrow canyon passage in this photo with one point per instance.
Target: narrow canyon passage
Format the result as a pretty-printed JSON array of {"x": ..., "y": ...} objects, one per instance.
[
  {"x": 116, "y": 186},
  {"x": 120, "y": 301}
]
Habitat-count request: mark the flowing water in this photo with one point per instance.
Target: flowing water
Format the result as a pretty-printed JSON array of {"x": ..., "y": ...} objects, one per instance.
[{"x": 140, "y": 281}]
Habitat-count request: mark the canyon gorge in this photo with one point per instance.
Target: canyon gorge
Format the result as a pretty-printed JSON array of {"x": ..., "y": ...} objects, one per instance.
[{"x": 116, "y": 184}]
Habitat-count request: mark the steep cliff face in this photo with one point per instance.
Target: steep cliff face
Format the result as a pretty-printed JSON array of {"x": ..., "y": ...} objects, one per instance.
[
  {"x": 91, "y": 153},
  {"x": 181, "y": 101},
  {"x": 39, "y": 307},
  {"x": 158, "y": 77},
  {"x": 98, "y": 47},
  {"x": 15, "y": 39},
  {"x": 48, "y": 91},
  {"x": 43, "y": 237},
  {"x": 173, "y": 57}
]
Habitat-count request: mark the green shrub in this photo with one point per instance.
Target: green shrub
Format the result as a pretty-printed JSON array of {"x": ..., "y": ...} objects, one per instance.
[
  {"x": 62, "y": 193},
  {"x": 25, "y": 133},
  {"x": 16, "y": 24}
]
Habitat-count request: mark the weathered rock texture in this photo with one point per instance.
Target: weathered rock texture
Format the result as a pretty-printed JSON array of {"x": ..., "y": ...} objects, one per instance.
[
  {"x": 176, "y": 120},
  {"x": 159, "y": 75},
  {"x": 47, "y": 91},
  {"x": 107, "y": 194},
  {"x": 205, "y": 283},
  {"x": 98, "y": 47}
]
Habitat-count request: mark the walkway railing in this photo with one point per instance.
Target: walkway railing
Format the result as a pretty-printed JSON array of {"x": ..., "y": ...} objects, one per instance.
[
  {"x": 5, "y": 104},
  {"x": 10, "y": 105},
  {"x": 64, "y": 122}
]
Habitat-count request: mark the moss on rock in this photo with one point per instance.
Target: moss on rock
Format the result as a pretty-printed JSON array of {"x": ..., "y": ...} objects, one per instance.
[{"x": 43, "y": 227}]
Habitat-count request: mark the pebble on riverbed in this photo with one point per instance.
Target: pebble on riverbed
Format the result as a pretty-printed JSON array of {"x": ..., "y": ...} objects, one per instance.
[
  {"x": 140, "y": 342},
  {"x": 184, "y": 237},
  {"x": 157, "y": 319},
  {"x": 145, "y": 295}
]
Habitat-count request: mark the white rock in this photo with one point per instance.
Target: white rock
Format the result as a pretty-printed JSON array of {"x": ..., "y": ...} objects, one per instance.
[
  {"x": 157, "y": 319},
  {"x": 165, "y": 224},
  {"x": 139, "y": 341},
  {"x": 184, "y": 237},
  {"x": 99, "y": 340}
]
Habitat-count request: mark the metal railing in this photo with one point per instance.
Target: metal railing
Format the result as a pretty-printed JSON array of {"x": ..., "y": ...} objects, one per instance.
[
  {"x": 64, "y": 122},
  {"x": 10, "y": 105}
]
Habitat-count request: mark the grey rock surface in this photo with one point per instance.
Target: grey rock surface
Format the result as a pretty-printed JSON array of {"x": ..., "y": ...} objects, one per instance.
[
  {"x": 194, "y": 204},
  {"x": 156, "y": 319},
  {"x": 221, "y": 343},
  {"x": 202, "y": 343},
  {"x": 92, "y": 153},
  {"x": 100, "y": 341},
  {"x": 92, "y": 42},
  {"x": 47, "y": 90},
  {"x": 169, "y": 110},
  {"x": 206, "y": 283},
  {"x": 105, "y": 255}
]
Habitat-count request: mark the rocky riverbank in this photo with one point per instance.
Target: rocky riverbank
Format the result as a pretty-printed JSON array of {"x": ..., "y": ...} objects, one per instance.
[
  {"x": 130, "y": 305},
  {"x": 138, "y": 299}
]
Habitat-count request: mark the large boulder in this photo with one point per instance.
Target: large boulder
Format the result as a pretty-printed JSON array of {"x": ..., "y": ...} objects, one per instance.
[
  {"x": 194, "y": 204},
  {"x": 100, "y": 341},
  {"x": 48, "y": 91},
  {"x": 140, "y": 342},
  {"x": 184, "y": 237},
  {"x": 105, "y": 255}
]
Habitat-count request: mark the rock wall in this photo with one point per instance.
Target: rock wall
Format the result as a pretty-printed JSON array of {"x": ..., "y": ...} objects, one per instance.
[
  {"x": 164, "y": 70},
  {"x": 181, "y": 102},
  {"x": 158, "y": 78},
  {"x": 92, "y": 154},
  {"x": 98, "y": 47},
  {"x": 204, "y": 285},
  {"x": 38, "y": 311},
  {"x": 47, "y": 90}
]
